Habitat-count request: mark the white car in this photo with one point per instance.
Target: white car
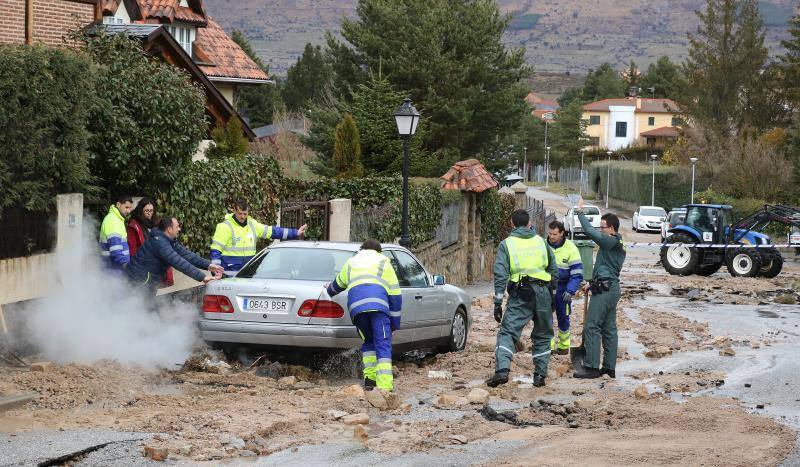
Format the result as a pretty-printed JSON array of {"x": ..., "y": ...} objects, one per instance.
[
  {"x": 571, "y": 221},
  {"x": 648, "y": 218},
  {"x": 675, "y": 218}
]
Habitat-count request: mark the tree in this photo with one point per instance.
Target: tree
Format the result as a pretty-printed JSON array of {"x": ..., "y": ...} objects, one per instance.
[
  {"x": 229, "y": 140},
  {"x": 569, "y": 96},
  {"x": 790, "y": 61},
  {"x": 308, "y": 80},
  {"x": 632, "y": 77},
  {"x": 450, "y": 57},
  {"x": 347, "y": 149},
  {"x": 48, "y": 95},
  {"x": 724, "y": 70},
  {"x": 569, "y": 134},
  {"x": 603, "y": 83},
  {"x": 663, "y": 79},
  {"x": 257, "y": 103},
  {"x": 148, "y": 118}
]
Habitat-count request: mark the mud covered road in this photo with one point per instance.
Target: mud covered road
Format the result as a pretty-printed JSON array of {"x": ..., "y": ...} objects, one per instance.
[{"x": 707, "y": 375}]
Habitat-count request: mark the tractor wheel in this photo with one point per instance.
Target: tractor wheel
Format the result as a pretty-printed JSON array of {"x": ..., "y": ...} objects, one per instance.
[
  {"x": 707, "y": 269},
  {"x": 743, "y": 263},
  {"x": 772, "y": 268},
  {"x": 680, "y": 260}
]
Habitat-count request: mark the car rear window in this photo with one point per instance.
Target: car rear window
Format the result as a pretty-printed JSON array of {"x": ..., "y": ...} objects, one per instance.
[
  {"x": 591, "y": 211},
  {"x": 677, "y": 217},
  {"x": 654, "y": 212},
  {"x": 310, "y": 264}
]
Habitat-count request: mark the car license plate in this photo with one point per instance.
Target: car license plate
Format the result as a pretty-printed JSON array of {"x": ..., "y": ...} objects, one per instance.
[{"x": 266, "y": 305}]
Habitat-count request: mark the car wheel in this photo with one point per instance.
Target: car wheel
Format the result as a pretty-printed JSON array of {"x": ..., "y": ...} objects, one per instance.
[
  {"x": 458, "y": 332},
  {"x": 743, "y": 263}
]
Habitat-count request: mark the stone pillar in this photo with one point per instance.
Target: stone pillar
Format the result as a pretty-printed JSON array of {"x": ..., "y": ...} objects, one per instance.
[
  {"x": 520, "y": 192},
  {"x": 69, "y": 228},
  {"x": 339, "y": 220}
]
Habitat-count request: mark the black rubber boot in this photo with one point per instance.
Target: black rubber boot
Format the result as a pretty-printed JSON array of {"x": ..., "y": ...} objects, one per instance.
[
  {"x": 499, "y": 377},
  {"x": 538, "y": 380},
  {"x": 587, "y": 373},
  {"x": 369, "y": 384},
  {"x": 562, "y": 351},
  {"x": 606, "y": 371}
]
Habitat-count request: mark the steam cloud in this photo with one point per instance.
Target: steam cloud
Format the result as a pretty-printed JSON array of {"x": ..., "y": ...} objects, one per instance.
[{"x": 91, "y": 316}]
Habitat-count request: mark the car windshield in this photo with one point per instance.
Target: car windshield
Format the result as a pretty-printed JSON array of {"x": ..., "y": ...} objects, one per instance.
[
  {"x": 310, "y": 264},
  {"x": 653, "y": 212}
]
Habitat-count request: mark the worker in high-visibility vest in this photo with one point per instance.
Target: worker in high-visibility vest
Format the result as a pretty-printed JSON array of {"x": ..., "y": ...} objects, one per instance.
[
  {"x": 234, "y": 241},
  {"x": 570, "y": 276},
  {"x": 114, "y": 235},
  {"x": 525, "y": 266},
  {"x": 374, "y": 302}
]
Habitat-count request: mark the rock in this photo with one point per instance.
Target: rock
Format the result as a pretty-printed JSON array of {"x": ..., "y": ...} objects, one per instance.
[
  {"x": 156, "y": 454},
  {"x": 304, "y": 385},
  {"x": 478, "y": 396},
  {"x": 392, "y": 400},
  {"x": 185, "y": 450},
  {"x": 406, "y": 408},
  {"x": 337, "y": 414},
  {"x": 376, "y": 399},
  {"x": 225, "y": 438},
  {"x": 216, "y": 366},
  {"x": 445, "y": 400},
  {"x": 747, "y": 385},
  {"x": 436, "y": 374},
  {"x": 461, "y": 401},
  {"x": 641, "y": 392},
  {"x": 230, "y": 389},
  {"x": 786, "y": 299},
  {"x": 658, "y": 352},
  {"x": 237, "y": 443},
  {"x": 759, "y": 406},
  {"x": 486, "y": 347},
  {"x": 356, "y": 419},
  {"x": 459, "y": 439},
  {"x": 352, "y": 391},
  {"x": 41, "y": 366},
  {"x": 727, "y": 352},
  {"x": 573, "y": 425},
  {"x": 693, "y": 294},
  {"x": 287, "y": 381},
  {"x": 360, "y": 433}
]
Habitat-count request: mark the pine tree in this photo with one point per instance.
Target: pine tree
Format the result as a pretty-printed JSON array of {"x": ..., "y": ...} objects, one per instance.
[
  {"x": 229, "y": 141},
  {"x": 632, "y": 76},
  {"x": 347, "y": 149},
  {"x": 257, "y": 102},
  {"x": 663, "y": 79},
  {"x": 790, "y": 61}
]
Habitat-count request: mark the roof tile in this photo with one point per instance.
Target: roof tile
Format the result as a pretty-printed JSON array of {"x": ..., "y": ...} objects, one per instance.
[
  {"x": 469, "y": 175},
  {"x": 223, "y": 57}
]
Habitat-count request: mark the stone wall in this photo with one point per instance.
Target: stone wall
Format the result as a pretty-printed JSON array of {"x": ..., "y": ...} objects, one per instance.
[{"x": 450, "y": 262}]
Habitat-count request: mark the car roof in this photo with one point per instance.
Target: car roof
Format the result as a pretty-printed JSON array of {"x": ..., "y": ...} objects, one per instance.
[
  {"x": 713, "y": 206},
  {"x": 677, "y": 209},
  {"x": 651, "y": 207},
  {"x": 346, "y": 246}
]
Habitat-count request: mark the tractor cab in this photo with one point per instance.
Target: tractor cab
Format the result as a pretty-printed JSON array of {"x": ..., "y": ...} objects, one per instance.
[{"x": 706, "y": 223}]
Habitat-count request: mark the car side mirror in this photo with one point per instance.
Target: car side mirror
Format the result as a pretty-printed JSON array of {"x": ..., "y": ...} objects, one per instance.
[{"x": 438, "y": 280}]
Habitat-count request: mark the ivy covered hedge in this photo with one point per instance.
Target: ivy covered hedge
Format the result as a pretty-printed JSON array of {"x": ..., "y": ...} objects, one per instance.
[
  {"x": 496, "y": 212},
  {"x": 200, "y": 197},
  {"x": 632, "y": 182}
]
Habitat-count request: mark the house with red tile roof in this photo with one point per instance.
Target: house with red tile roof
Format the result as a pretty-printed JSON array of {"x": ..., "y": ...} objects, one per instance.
[
  {"x": 541, "y": 107},
  {"x": 633, "y": 121}
]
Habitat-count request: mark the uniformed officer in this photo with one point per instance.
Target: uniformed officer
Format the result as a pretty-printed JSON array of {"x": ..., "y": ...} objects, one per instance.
[
  {"x": 375, "y": 302},
  {"x": 601, "y": 319},
  {"x": 570, "y": 276},
  {"x": 524, "y": 266},
  {"x": 234, "y": 240}
]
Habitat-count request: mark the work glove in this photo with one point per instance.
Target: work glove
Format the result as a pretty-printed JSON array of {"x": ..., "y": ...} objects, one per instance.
[
  {"x": 566, "y": 297},
  {"x": 498, "y": 311}
]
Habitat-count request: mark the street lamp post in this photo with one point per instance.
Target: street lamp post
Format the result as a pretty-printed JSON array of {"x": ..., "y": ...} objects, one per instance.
[
  {"x": 694, "y": 161},
  {"x": 608, "y": 176},
  {"x": 580, "y": 183},
  {"x": 547, "y": 168},
  {"x": 525, "y": 163},
  {"x": 407, "y": 118},
  {"x": 653, "y": 191}
]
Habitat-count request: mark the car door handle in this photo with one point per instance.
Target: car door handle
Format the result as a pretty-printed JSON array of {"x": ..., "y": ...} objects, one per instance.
[{"x": 418, "y": 297}]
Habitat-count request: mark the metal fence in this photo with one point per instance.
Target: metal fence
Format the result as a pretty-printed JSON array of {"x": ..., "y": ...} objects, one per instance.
[
  {"x": 447, "y": 232},
  {"x": 540, "y": 218},
  {"x": 313, "y": 213},
  {"x": 26, "y": 233},
  {"x": 569, "y": 177}
]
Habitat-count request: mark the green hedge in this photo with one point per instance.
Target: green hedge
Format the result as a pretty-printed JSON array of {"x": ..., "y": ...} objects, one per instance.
[
  {"x": 632, "y": 182},
  {"x": 200, "y": 197},
  {"x": 496, "y": 212}
]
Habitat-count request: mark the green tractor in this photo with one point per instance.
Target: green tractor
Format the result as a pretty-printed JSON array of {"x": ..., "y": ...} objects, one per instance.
[{"x": 709, "y": 238}]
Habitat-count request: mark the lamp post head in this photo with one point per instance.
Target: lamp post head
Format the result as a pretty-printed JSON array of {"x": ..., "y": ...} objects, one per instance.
[
  {"x": 654, "y": 157},
  {"x": 407, "y": 118},
  {"x": 693, "y": 160},
  {"x": 548, "y": 148},
  {"x": 610, "y": 153}
]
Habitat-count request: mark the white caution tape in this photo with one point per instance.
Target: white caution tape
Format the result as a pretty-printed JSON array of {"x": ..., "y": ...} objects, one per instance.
[{"x": 708, "y": 245}]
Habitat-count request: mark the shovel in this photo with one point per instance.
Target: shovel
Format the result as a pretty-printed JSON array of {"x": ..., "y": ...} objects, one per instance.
[{"x": 578, "y": 354}]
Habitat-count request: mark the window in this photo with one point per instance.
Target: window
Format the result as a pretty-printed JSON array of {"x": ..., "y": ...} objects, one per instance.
[
  {"x": 297, "y": 264},
  {"x": 594, "y": 141},
  {"x": 651, "y": 141},
  {"x": 651, "y": 121},
  {"x": 409, "y": 272},
  {"x": 622, "y": 129},
  {"x": 676, "y": 121},
  {"x": 594, "y": 120},
  {"x": 184, "y": 35},
  {"x": 653, "y": 212}
]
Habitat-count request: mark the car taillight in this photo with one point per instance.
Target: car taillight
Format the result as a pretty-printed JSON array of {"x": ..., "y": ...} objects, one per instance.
[
  {"x": 217, "y": 304},
  {"x": 320, "y": 309}
]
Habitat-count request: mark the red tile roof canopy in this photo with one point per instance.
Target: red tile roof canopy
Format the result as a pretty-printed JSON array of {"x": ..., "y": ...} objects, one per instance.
[
  {"x": 469, "y": 175},
  {"x": 666, "y": 131},
  {"x": 642, "y": 105},
  {"x": 169, "y": 11}
]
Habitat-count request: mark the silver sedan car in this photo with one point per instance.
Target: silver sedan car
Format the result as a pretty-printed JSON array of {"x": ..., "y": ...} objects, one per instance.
[{"x": 279, "y": 299}]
